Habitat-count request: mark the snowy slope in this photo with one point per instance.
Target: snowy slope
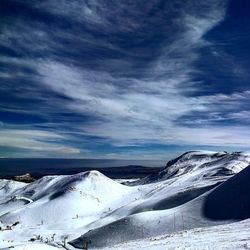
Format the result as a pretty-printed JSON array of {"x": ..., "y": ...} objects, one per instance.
[
  {"x": 33, "y": 246},
  {"x": 62, "y": 209},
  {"x": 226, "y": 203},
  {"x": 7, "y": 187},
  {"x": 224, "y": 237},
  {"x": 78, "y": 197},
  {"x": 200, "y": 164}
]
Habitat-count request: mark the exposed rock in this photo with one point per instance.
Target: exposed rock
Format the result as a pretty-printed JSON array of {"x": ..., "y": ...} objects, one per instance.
[{"x": 27, "y": 178}]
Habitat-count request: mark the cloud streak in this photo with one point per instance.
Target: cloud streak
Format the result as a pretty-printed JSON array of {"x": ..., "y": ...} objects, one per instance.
[
  {"x": 35, "y": 140},
  {"x": 126, "y": 74}
]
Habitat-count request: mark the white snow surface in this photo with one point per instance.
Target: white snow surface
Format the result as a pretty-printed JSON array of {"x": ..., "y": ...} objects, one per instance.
[
  {"x": 233, "y": 236},
  {"x": 34, "y": 246},
  {"x": 161, "y": 211}
]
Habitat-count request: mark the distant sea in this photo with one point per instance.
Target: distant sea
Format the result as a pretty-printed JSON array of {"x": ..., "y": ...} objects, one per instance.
[{"x": 112, "y": 168}]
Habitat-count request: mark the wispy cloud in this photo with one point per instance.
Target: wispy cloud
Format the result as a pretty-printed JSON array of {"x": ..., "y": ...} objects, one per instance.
[
  {"x": 137, "y": 110},
  {"x": 124, "y": 72},
  {"x": 35, "y": 140}
]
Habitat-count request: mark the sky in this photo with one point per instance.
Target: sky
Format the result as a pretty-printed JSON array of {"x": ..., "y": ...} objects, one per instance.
[{"x": 130, "y": 79}]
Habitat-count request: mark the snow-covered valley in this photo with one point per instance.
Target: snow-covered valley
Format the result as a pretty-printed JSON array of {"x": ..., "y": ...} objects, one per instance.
[{"x": 199, "y": 201}]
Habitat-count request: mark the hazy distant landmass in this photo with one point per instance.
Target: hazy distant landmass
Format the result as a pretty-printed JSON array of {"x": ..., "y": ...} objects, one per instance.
[{"x": 111, "y": 168}]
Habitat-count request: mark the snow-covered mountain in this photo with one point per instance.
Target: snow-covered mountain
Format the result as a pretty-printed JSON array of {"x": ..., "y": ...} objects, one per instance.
[
  {"x": 202, "y": 164},
  {"x": 90, "y": 208}
]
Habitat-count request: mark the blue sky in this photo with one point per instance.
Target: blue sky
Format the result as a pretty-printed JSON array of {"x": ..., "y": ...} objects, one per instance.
[{"x": 123, "y": 79}]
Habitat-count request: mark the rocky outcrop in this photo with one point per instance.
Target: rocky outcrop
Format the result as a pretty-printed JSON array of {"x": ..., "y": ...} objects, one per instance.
[{"x": 27, "y": 178}]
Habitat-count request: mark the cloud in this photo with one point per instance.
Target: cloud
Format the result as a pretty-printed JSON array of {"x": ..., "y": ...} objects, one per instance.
[
  {"x": 124, "y": 72},
  {"x": 35, "y": 140},
  {"x": 136, "y": 110}
]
